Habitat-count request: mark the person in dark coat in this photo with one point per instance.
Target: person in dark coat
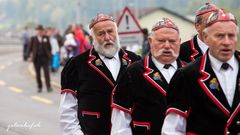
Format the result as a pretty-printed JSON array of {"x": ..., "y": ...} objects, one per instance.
[
  {"x": 39, "y": 52},
  {"x": 88, "y": 79},
  {"x": 145, "y": 45},
  {"x": 196, "y": 47},
  {"x": 204, "y": 97},
  {"x": 139, "y": 99}
]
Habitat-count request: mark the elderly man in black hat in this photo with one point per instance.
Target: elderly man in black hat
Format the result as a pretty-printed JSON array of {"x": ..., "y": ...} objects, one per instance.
[
  {"x": 88, "y": 79},
  {"x": 195, "y": 47},
  {"x": 139, "y": 100},
  {"x": 39, "y": 53},
  {"x": 204, "y": 97}
]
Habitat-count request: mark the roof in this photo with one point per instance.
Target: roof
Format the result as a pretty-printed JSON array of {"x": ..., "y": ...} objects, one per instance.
[{"x": 146, "y": 11}]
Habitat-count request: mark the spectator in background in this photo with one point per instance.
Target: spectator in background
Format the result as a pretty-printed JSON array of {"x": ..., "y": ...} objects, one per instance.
[
  {"x": 25, "y": 41},
  {"x": 145, "y": 45},
  {"x": 39, "y": 53},
  {"x": 80, "y": 38},
  {"x": 84, "y": 31},
  {"x": 71, "y": 46},
  {"x": 55, "y": 62}
]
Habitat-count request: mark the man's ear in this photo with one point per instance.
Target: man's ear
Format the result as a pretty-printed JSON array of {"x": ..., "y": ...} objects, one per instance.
[
  {"x": 149, "y": 40},
  {"x": 197, "y": 25},
  {"x": 205, "y": 36}
]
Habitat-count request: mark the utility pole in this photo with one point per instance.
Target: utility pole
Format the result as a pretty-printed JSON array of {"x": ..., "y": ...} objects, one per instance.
[
  {"x": 114, "y": 9},
  {"x": 78, "y": 13},
  {"x": 136, "y": 9}
]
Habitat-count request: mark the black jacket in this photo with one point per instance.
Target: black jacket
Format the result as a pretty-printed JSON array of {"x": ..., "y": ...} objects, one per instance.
[
  {"x": 195, "y": 93},
  {"x": 190, "y": 50},
  {"x": 88, "y": 78},
  {"x": 142, "y": 93}
]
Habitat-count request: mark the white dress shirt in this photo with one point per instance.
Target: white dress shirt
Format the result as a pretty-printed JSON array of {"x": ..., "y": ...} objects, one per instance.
[
  {"x": 167, "y": 73},
  {"x": 121, "y": 120},
  {"x": 68, "y": 109},
  {"x": 175, "y": 124},
  {"x": 202, "y": 45},
  {"x": 39, "y": 39},
  {"x": 69, "y": 123},
  {"x": 112, "y": 64},
  {"x": 228, "y": 85}
]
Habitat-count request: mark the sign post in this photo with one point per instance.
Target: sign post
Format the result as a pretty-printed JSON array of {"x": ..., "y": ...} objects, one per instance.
[{"x": 129, "y": 30}]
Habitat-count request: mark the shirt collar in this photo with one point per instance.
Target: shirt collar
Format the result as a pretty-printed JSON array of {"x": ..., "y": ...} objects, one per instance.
[
  {"x": 160, "y": 65},
  {"x": 216, "y": 64},
  {"x": 116, "y": 56},
  {"x": 202, "y": 45}
]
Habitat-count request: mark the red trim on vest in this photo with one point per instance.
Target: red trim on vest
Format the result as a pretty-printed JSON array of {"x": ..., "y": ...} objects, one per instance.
[
  {"x": 195, "y": 52},
  {"x": 149, "y": 71},
  {"x": 142, "y": 124},
  {"x": 125, "y": 56},
  {"x": 234, "y": 114},
  {"x": 201, "y": 80},
  {"x": 69, "y": 91},
  {"x": 121, "y": 108},
  {"x": 91, "y": 113},
  {"x": 191, "y": 133},
  {"x": 92, "y": 57},
  {"x": 177, "y": 111},
  {"x": 113, "y": 105}
]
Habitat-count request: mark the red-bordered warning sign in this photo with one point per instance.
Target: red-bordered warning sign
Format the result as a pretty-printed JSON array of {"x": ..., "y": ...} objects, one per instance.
[{"x": 129, "y": 30}]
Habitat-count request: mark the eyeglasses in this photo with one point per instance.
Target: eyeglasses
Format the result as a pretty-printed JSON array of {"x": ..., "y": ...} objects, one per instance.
[
  {"x": 165, "y": 23},
  {"x": 100, "y": 17},
  {"x": 220, "y": 15},
  {"x": 207, "y": 7}
]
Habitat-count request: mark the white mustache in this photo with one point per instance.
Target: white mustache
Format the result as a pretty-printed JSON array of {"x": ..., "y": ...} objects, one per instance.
[
  {"x": 161, "y": 51},
  {"x": 109, "y": 42}
]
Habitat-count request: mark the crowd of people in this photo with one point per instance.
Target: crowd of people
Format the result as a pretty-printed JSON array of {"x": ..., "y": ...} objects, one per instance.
[
  {"x": 190, "y": 88},
  {"x": 48, "y": 49}
]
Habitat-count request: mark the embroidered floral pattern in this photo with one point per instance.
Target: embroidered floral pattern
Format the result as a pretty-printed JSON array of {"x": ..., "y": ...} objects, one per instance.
[
  {"x": 156, "y": 76},
  {"x": 214, "y": 84},
  {"x": 98, "y": 62}
]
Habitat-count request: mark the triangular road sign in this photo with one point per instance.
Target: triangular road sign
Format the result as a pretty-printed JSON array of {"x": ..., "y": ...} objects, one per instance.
[
  {"x": 129, "y": 30},
  {"x": 128, "y": 23}
]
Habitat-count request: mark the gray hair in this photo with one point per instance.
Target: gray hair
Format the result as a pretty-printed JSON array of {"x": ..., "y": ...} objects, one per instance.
[
  {"x": 152, "y": 32},
  {"x": 207, "y": 29},
  {"x": 198, "y": 19}
]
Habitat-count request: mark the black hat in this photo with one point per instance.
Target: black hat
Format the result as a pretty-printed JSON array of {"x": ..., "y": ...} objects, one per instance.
[
  {"x": 207, "y": 7},
  {"x": 100, "y": 18},
  {"x": 219, "y": 16},
  {"x": 165, "y": 23},
  {"x": 39, "y": 27}
]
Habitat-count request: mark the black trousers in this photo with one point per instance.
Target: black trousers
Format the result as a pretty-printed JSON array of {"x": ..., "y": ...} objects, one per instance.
[{"x": 42, "y": 63}]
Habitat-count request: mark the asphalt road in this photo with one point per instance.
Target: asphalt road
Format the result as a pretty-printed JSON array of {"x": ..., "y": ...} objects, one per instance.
[{"x": 23, "y": 111}]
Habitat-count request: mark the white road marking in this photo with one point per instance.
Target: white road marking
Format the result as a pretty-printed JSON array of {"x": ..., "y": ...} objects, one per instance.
[
  {"x": 15, "y": 89},
  {"x": 2, "y": 83},
  {"x": 41, "y": 99}
]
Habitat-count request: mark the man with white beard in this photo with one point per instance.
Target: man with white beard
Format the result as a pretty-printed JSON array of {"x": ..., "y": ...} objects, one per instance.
[
  {"x": 139, "y": 99},
  {"x": 88, "y": 79}
]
